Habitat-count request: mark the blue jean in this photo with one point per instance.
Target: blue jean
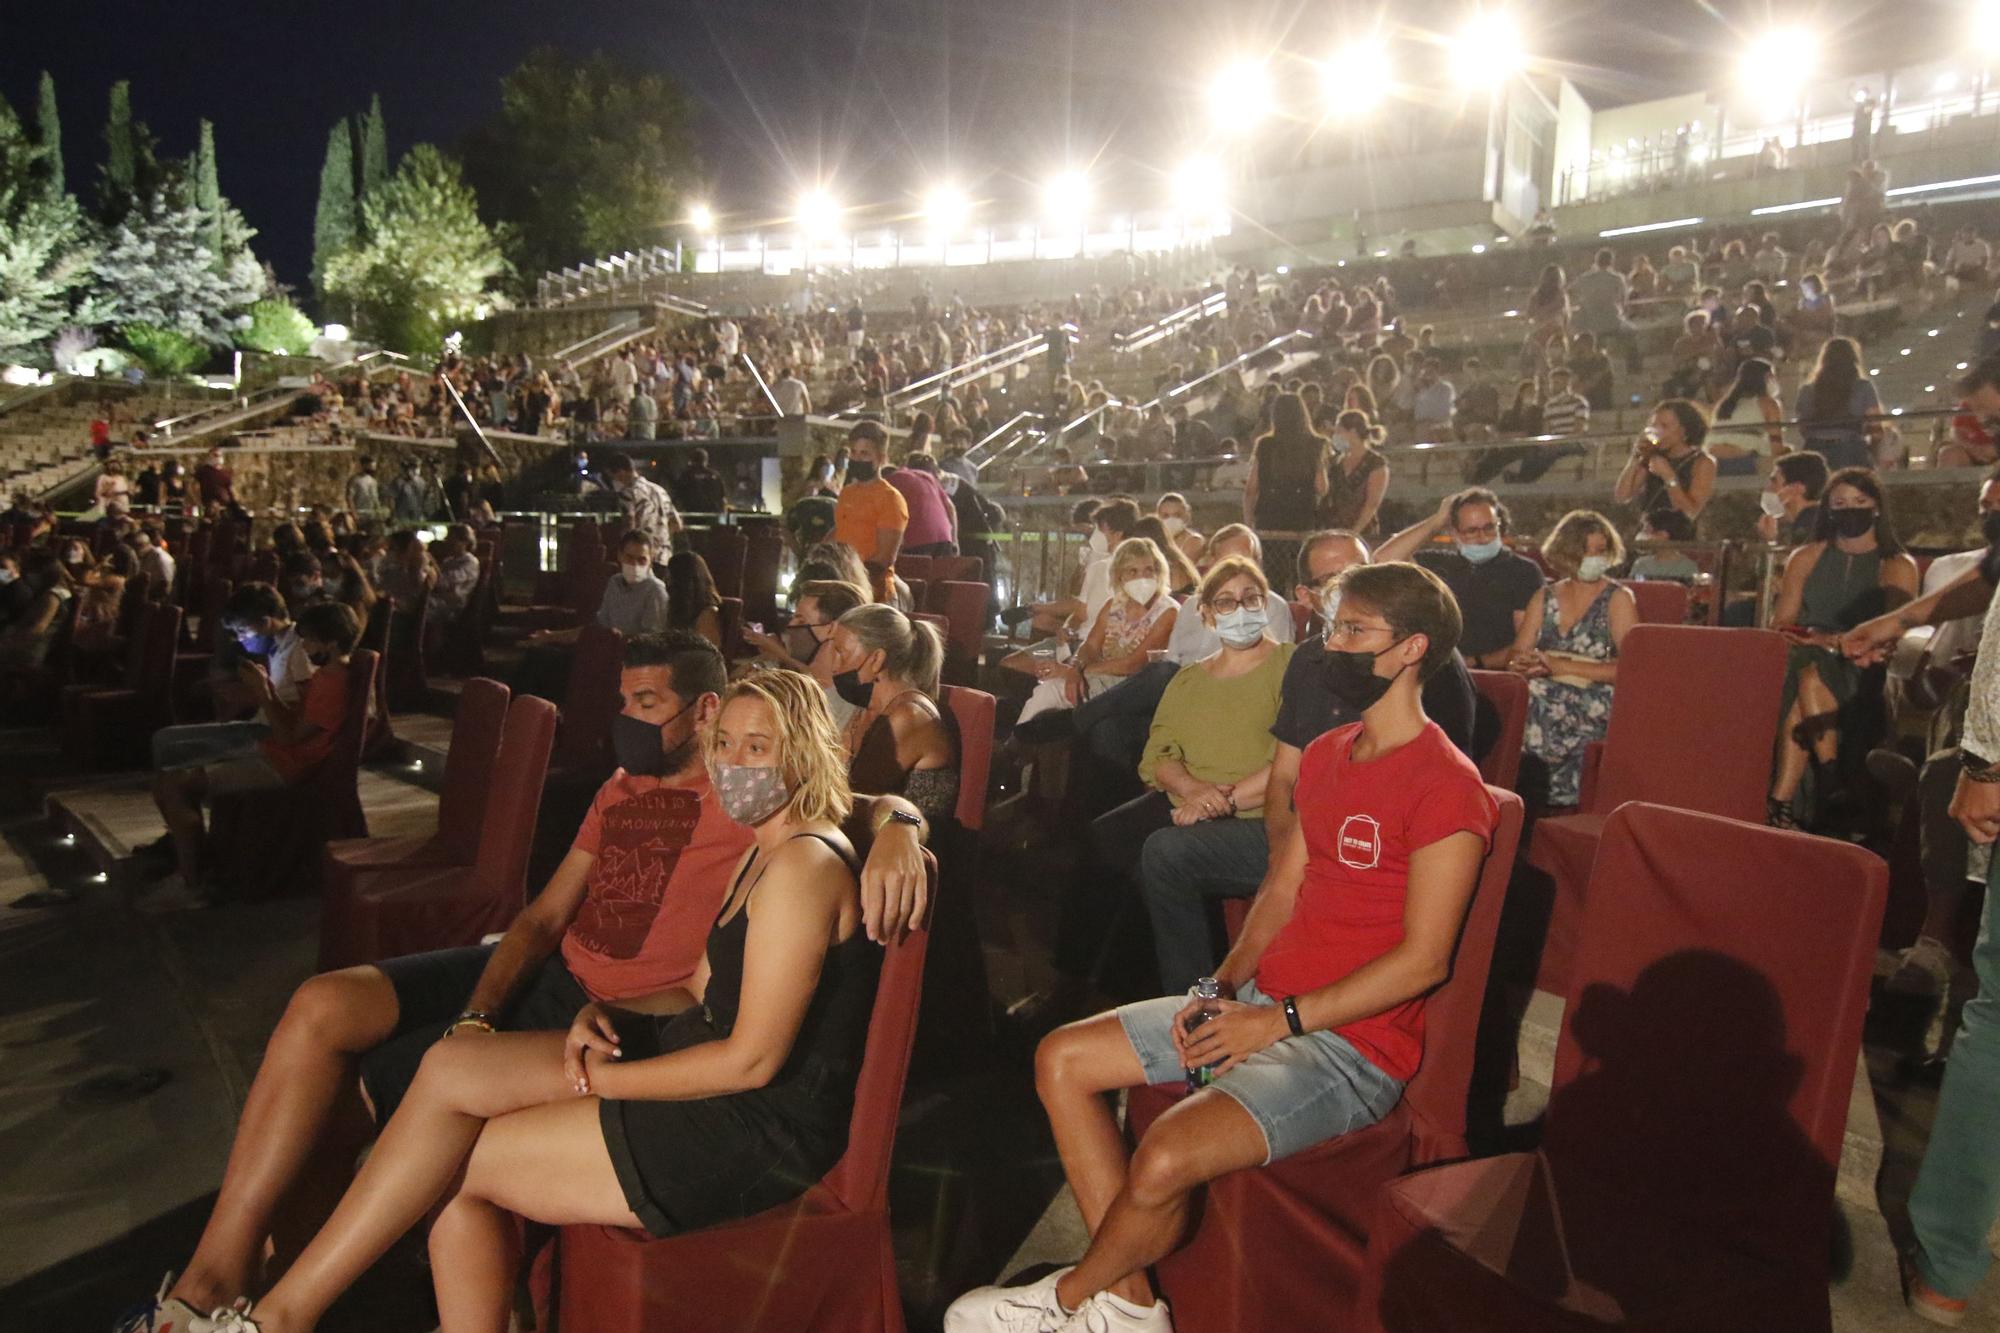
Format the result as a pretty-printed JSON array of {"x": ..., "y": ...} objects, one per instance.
[
  {"x": 1180, "y": 869},
  {"x": 1957, "y": 1193},
  {"x": 205, "y": 743}
]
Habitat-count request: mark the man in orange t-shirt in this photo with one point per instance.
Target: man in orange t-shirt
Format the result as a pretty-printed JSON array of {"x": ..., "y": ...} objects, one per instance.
[
  {"x": 301, "y": 736},
  {"x": 871, "y": 515}
]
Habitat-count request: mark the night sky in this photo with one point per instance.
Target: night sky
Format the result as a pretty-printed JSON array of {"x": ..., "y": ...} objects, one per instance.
[{"x": 878, "y": 95}]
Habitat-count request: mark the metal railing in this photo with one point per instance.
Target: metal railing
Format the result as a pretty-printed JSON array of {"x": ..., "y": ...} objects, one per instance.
[
  {"x": 1234, "y": 363},
  {"x": 458, "y": 401},
  {"x": 985, "y": 450},
  {"x": 615, "y": 336},
  {"x": 762, "y": 387},
  {"x": 943, "y": 381},
  {"x": 1215, "y": 303},
  {"x": 388, "y": 361}
]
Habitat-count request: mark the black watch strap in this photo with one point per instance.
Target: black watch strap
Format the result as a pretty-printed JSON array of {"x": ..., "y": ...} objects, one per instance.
[{"x": 1292, "y": 1016}]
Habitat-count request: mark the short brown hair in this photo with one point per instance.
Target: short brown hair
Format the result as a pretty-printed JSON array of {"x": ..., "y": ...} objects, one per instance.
[
  {"x": 1414, "y": 601},
  {"x": 1227, "y": 568},
  {"x": 1568, "y": 540},
  {"x": 1120, "y": 515},
  {"x": 870, "y": 431},
  {"x": 834, "y": 597}
]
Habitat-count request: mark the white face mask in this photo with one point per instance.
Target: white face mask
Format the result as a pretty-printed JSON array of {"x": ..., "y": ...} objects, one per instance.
[
  {"x": 634, "y": 573},
  {"x": 1592, "y": 567},
  {"x": 1100, "y": 544},
  {"x": 1771, "y": 504},
  {"x": 1142, "y": 591},
  {"x": 1174, "y": 524}
]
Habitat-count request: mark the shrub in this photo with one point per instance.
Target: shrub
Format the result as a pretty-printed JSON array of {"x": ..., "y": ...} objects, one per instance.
[
  {"x": 278, "y": 327},
  {"x": 162, "y": 351}
]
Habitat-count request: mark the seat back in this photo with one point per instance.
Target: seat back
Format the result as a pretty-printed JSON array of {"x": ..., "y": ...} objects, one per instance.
[
  {"x": 1506, "y": 694},
  {"x": 1693, "y": 717},
  {"x": 727, "y": 552},
  {"x": 910, "y": 567},
  {"x": 920, "y": 591},
  {"x": 963, "y": 605},
  {"x": 591, "y": 700},
  {"x": 471, "y": 774},
  {"x": 729, "y": 620},
  {"x": 973, "y": 710},
  {"x": 159, "y": 643},
  {"x": 513, "y": 797},
  {"x": 860, "y": 1179},
  {"x": 337, "y": 778},
  {"x": 1437, "y": 1094},
  {"x": 1661, "y": 601},
  {"x": 1713, "y": 1023},
  {"x": 763, "y": 556},
  {"x": 955, "y": 568}
]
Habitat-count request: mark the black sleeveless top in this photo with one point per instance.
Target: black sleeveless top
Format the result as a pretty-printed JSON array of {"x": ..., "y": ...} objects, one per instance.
[
  {"x": 1655, "y": 504},
  {"x": 835, "y": 1029}
]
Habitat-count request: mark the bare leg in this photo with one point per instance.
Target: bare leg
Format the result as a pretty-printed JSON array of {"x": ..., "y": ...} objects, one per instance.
[
  {"x": 464, "y": 1082},
  {"x": 1818, "y": 704},
  {"x": 308, "y": 1070},
  {"x": 1206, "y": 1136},
  {"x": 1074, "y": 1067},
  {"x": 548, "y": 1163},
  {"x": 178, "y": 795},
  {"x": 1791, "y": 758}
]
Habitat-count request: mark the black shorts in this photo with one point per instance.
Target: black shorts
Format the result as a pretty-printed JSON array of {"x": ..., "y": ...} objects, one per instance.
[
  {"x": 431, "y": 991},
  {"x": 692, "y": 1164}
]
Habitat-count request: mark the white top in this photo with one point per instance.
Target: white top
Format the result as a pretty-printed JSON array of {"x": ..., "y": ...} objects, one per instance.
[
  {"x": 791, "y": 396},
  {"x": 289, "y": 667},
  {"x": 1955, "y": 637}
]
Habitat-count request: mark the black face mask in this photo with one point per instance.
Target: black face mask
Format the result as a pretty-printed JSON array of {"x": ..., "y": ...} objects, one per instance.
[
  {"x": 1989, "y": 528},
  {"x": 849, "y": 687},
  {"x": 859, "y": 471},
  {"x": 637, "y": 745},
  {"x": 1852, "y": 522},
  {"x": 1352, "y": 680},
  {"x": 802, "y": 643}
]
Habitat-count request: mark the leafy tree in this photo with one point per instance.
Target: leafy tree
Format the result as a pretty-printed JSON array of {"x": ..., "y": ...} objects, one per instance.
[
  {"x": 48, "y": 126},
  {"x": 587, "y": 157},
  {"x": 277, "y": 326},
  {"x": 208, "y": 188},
  {"x": 426, "y": 260},
  {"x": 45, "y": 251},
  {"x": 374, "y": 149},
  {"x": 162, "y": 351},
  {"x": 334, "y": 218},
  {"x": 157, "y": 268}
]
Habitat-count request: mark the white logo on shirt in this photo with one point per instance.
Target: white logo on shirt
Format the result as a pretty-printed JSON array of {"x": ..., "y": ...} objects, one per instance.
[{"x": 1360, "y": 842}]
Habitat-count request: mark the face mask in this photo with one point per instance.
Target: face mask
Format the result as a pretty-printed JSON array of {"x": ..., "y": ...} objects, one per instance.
[
  {"x": 6, "y": 577},
  {"x": 1142, "y": 591},
  {"x": 1592, "y": 568},
  {"x": 1174, "y": 524},
  {"x": 72, "y": 557},
  {"x": 633, "y": 573},
  {"x": 1989, "y": 528},
  {"x": 640, "y": 747},
  {"x": 1772, "y": 505},
  {"x": 848, "y": 685},
  {"x": 1853, "y": 522},
  {"x": 750, "y": 795},
  {"x": 1242, "y": 627},
  {"x": 859, "y": 471},
  {"x": 1100, "y": 545},
  {"x": 1352, "y": 680},
  {"x": 802, "y": 643},
  {"x": 1481, "y": 552}
]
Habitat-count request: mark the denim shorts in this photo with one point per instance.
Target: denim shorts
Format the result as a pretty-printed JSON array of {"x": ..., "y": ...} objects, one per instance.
[
  {"x": 204, "y": 743},
  {"x": 1300, "y": 1091}
]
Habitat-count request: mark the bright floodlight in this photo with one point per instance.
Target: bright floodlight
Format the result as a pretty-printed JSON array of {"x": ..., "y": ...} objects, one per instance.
[
  {"x": 818, "y": 214},
  {"x": 702, "y": 219},
  {"x": 1986, "y": 27},
  {"x": 1778, "y": 64},
  {"x": 1066, "y": 196},
  {"x": 1239, "y": 95},
  {"x": 1357, "y": 80},
  {"x": 946, "y": 208},
  {"x": 1198, "y": 186},
  {"x": 1487, "y": 50}
]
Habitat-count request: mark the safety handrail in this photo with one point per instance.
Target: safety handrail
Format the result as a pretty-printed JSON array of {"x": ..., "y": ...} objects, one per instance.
[
  {"x": 758, "y": 376},
  {"x": 1235, "y": 363},
  {"x": 684, "y": 305},
  {"x": 466, "y": 412},
  {"x": 394, "y": 358},
  {"x": 570, "y": 353},
  {"x": 1167, "y": 325},
  {"x": 234, "y": 406},
  {"x": 1010, "y": 424}
]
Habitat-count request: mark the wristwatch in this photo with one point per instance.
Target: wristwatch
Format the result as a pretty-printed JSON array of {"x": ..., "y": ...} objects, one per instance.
[
  {"x": 896, "y": 816},
  {"x": 1292, "y": 1016},
  {"x": 1977, "y": 767}
]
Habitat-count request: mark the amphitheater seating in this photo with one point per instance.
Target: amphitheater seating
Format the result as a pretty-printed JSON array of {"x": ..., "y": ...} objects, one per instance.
[
  {"x": 1503, "y": 714},
  {"x": 113, "y": 727}
]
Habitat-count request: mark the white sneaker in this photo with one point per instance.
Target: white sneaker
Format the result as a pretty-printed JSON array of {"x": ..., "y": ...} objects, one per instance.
[
  {"x": 172, "y": 894},
  {"x": 236, "y": 1319},
  {"x": 1030, "y": 1309},
  {"x": 1105, "y": 1313},
  {"x": 1922, "y": 969},
  {"x": 165, "y": 1314}
]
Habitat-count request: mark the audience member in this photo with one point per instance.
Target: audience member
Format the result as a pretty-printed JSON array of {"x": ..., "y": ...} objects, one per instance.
[
  {"x": 1840, "y": 408},
  {"x": 646, "y": 505},
  {"x": 933, "y": 522},
  {"x": 1357, "y": 480},
  {"x": 871, "y": 515},
  {"x": 1287, "y": 481},
  {"x": 1173, "y": 512},
  {"x": 692, "y": 602},
  {"x": 1670, "y": 475},
  {"x": 899, "y": 739},
  {"x": 1790, "y": 498},
  {"x": 803, "y": 645},
  {"x": 1745, "y": 419},
  {"x": 1491, "y": 584}
]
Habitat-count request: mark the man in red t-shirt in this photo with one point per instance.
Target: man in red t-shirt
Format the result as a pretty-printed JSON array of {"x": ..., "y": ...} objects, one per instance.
[
  {"x": 625, "y": 916},
  {"x": 1354, "y": 924}
]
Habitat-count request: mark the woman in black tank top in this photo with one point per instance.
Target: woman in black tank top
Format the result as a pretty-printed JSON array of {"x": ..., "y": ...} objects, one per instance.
[{"x": 670, "y": 1112}]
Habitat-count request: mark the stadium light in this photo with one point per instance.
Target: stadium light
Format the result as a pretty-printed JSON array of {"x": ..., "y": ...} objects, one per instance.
[
  {"x": 702, "y": 219},
  {"x": 946, "y": 208},
  {"x": 1198, "y": 187},
  {"x": 1776, "y": 66},
  {"x": 817, "y": 213},
  {"x": 1357, "y": 80},
  {"x": 1066, "y": 197},
  {"x": 1239, "y": 95},
  {"x": 1986, "y": 27},
  {"x": 1486, "y": 51}
]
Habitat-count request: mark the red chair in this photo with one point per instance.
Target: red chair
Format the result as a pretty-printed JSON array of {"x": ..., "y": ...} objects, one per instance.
[
  {"x": 380, "y": 737},
  {"x": 958, "y": 1009},
  {"x": 763, "y": 557},
  {"x": 919, "y": 591},
  {"x": 1507, "y": 695},
  {"x": 113, "y": 728},
  {"x": 268, "y": 844},
  {"x": 914, "y": 567},
  {"x": 1702, "y": 1079},
  {"x": 973, "y": 711},
  {"x": 462, "y": 800},
  {"x": 1693, "y": 717},
  {"x": 583, "y": 744},
  {"x": 963, "y": 605},
  {"x": 384, "y": 913},
  {"x": 729, "y": 620},
  {"x": 727, "y": 552},
  {"x": 954, "y": 569},
  {"x": 409, "y": 680},
  {"x": 822, "y": 1262},
  {"x": 1281, "y": 1247},
  {"x": 1661, "y": 602}
]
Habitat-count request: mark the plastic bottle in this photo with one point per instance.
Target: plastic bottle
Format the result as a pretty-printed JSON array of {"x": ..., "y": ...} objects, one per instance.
[{"x": 1209, "y": 992}]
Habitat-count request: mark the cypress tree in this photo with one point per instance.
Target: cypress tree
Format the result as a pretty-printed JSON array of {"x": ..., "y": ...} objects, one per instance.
[
  {"x": 374, "y": 148},
  {"x": 208, "y": 190},
  {"x": 119, "y": 160},
  {"x": 335, "y": 216},
  {"x": 50, "y": 134}
]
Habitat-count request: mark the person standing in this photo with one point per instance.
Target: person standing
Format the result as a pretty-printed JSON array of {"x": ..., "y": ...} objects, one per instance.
[
  {"x": 871, "y": 515},
  {"x": 1600, "y": 297},
  {"x": 216, "y": 483},
  {"x": 933, "y": 527},
  {"x": 648, "y": 508},
  {"x": 364, "y": 492}
]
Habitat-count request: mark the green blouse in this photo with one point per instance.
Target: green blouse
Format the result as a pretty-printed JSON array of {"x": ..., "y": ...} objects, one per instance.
[{"x": 1219, "y": 730}]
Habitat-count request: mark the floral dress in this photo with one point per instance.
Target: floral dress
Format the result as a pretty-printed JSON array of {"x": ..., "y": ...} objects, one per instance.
[{"x": 1565, "y": 716}]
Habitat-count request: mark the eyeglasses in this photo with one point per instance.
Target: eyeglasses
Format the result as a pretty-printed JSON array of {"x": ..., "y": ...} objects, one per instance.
[
  {"x": 1349, "y": 630},
  {"x": 1485, "y": 532},
  {"x": 1249, "y": 601}
]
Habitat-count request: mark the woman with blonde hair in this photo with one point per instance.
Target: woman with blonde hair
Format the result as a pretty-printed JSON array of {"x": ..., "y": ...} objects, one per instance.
[
  {"x": 900, "y": 742},
  {"x": 1178, "y": 517},
  {"x": 1182, "y": 575},
  {"x": 1567, "y": 647},
  {"x": 673, "y": 1112}
]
